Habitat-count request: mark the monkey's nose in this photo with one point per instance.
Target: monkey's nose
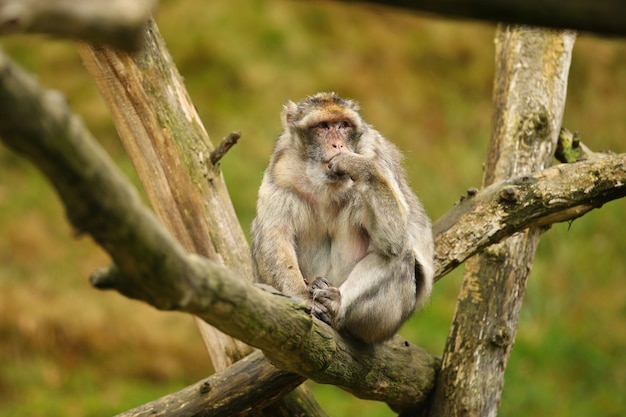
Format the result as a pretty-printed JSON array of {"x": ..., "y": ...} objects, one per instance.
[{"x": 338, "y": 144}]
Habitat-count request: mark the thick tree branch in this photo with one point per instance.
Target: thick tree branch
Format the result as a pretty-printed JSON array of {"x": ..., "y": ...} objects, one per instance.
[
  {"x": 249, "y": 384},
  {"x": 529, "y": 98},
  {"x": 560, "y": 193},
  {"x": 164, "y": 136},
  {"x": 606, "y": 17},
  {"x": 118, "y": 23}
]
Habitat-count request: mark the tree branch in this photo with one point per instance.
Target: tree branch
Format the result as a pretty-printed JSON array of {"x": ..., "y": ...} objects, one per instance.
[
  {"x": 228, "y": 142},
  {"x": 607, "y": 17},
  {"x": 153, "y": 267},
  {"x": 118, "y": 23},
  {"x": 529, "y": 98},
  {"x": 169, "y": 147},
  {"x": 249, "y": 384},
  {"x": 561, "y": 193}
]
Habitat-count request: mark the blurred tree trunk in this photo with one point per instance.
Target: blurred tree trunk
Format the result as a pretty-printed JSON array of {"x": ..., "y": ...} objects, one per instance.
[
  {"x": 171, "y": 152},
  {"x": 529, "y": 97}
]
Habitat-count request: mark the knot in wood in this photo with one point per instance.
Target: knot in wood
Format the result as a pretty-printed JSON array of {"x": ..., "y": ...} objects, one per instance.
[
  {"x": 205, "y": 387},
  {"x": 501, "y": 337},
  {"x": 508, "y": 194},
  {"x": 472, "y": 191}
]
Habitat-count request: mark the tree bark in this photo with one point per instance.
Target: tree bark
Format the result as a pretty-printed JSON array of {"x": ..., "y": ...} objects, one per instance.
[
  {"x": 118, "y": 23},
  {"x": 529, "y": 97},
  {"x": 171, "y": 151},
  {"x": 606, "y": 17},
  {"x": 249, "y": 384},
  {"x": 557, "y": 194},
  {"x": 169, "y": 148}
]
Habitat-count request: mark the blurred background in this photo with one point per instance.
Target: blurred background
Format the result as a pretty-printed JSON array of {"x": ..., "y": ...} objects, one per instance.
[{"x": 425, "y": 83}]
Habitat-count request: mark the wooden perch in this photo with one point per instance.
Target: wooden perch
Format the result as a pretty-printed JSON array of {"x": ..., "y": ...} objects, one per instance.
[
  {"x": 118, "y": 23},
  {"x": 531, "y": 192},
  {"x": 606, "y": 17},
  {"x": 561, "y": 193},
  {"x": 151, "y": 266},
  {"x": 248, "y": 384}
]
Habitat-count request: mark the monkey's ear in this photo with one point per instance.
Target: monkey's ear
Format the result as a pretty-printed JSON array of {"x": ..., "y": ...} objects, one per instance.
[{"x": 290, "y": 112}]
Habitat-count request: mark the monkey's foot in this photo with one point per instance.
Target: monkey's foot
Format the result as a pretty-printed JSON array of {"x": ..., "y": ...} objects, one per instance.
[{"x": 325, "y": 300}]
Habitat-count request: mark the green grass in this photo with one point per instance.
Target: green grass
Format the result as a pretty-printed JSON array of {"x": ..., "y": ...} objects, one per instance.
[{"x": 426, "y": 84}]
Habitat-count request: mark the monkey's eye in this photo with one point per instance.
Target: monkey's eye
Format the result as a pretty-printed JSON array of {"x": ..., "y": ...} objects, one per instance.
[
  {"x": 345, "y": 124},
  {"x": 323, "y": 125}
]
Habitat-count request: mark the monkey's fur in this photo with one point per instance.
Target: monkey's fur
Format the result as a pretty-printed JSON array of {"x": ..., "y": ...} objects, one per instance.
[{"x": 337, "y": 223}]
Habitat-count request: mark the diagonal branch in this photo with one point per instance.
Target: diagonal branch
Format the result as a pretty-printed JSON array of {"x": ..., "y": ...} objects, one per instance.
[
  {"x": 249, "y": 384},
  {"x": 151, "y": 266},
  {"x": 561, "y": 193}
]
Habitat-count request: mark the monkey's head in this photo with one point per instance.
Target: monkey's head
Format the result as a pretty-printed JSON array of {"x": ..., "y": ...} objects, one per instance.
[{"x": 323, "y": 125}]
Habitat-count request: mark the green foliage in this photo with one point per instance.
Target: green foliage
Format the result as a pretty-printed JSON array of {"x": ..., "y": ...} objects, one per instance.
[{"x": 425, "y": 84}]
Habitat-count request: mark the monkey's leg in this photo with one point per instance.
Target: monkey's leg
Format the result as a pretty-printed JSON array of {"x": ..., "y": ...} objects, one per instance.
[{"x": 377, "y": 297}]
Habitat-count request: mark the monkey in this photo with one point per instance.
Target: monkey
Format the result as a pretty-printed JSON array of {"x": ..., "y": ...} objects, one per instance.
[{"x": 337, "y": 224}]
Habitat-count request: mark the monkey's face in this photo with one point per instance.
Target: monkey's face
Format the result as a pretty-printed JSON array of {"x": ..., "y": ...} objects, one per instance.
[
  {"x": 322, "y": 127},
  {"x": 328, "y": 138}
]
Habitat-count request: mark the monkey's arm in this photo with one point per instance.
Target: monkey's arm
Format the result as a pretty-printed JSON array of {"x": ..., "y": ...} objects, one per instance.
[
  {"x": 273, "y": 247},
  {"x": 385, "y": 214}
]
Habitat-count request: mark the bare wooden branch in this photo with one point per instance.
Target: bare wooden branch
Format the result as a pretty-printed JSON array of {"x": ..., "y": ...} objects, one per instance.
[
  {"x": 249, "y": 384},
  {"x": 153, "y": 267},
  {"x": 224, "y": 146},
  {"x": 169, "y": 147},
  {"x": 118, "y": 23},
  {"x": 607, "y": 17},
  {"x": 395, "y": 372},
  {"x": 561, "y": 193}
]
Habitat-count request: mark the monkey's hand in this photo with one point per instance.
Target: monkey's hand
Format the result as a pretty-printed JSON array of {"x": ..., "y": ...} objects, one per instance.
[
  {"x": 325, "y": 300},
  {"x": 355, "y": 166}
]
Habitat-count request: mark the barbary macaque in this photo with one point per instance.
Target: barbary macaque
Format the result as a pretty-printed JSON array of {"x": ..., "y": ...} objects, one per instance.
[{"x": 337, "y": 223}]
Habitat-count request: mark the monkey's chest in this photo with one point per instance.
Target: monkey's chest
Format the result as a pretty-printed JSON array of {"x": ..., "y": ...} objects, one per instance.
[{"x": 331, "y": 250}]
